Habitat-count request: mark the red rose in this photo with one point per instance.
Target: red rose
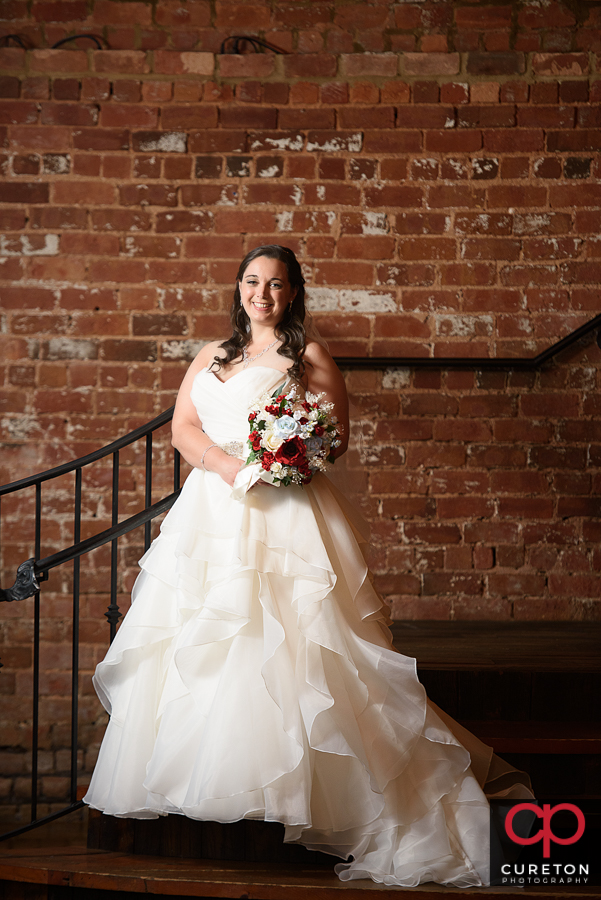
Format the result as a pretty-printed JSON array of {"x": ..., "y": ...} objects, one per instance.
[
  {"x": 291, "y": 452},
  {"x": 318, "y": 430},
  {"x": 252, "y": 417},
  {"x": 267, "y": 460},
  {"x": 255, "y": 439}
]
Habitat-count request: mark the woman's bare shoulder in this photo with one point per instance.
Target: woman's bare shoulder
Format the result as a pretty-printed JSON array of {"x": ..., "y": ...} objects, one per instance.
[
  {"x": 207, "y": 354},
  {"x": 316, "y": 354}
]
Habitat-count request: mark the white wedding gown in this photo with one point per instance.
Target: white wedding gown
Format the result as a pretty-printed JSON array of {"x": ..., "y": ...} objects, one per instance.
[{"x": 254, "y": 677}]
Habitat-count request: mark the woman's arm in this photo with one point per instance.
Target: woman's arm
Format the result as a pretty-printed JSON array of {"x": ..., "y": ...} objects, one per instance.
[
  {"x": 323, "y": 376},
  {"x": 187, "y": 435}
]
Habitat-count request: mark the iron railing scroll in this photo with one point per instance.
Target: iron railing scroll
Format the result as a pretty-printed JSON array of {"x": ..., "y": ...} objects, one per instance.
[{"x": 33, "y": 572}]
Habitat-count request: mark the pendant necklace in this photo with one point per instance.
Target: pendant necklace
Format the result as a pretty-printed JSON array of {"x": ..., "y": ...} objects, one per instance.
[{"x": 246, "y": 359}]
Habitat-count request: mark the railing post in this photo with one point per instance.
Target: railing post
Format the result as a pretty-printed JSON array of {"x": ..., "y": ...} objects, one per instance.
[
  {"x": 148, "y": 488},
  {"x": 113, "y": 613},
  {"x": 75, "y": 649},
  {"x": 35, "y": 718}
]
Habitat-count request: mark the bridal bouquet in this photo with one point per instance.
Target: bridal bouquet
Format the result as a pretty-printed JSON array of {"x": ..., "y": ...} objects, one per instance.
[{"x": 292, "y": 437}]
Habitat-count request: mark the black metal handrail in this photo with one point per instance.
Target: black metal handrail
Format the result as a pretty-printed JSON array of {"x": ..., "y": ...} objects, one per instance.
[{"x": 31, "y": 572}]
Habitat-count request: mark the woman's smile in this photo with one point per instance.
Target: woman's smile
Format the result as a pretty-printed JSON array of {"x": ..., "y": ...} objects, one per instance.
[{"x": 265, "y": 291}]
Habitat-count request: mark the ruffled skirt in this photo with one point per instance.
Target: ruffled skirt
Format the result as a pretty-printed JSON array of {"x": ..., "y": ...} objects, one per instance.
[{"x": 254, "y": 677}]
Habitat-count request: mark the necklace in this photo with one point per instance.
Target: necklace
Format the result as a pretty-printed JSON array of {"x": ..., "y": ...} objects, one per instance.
[{"x": 246, "y": 359}]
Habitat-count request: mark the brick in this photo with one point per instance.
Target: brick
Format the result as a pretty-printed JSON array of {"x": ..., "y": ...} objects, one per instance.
[
  {"x": 95, "y": 193},
  {"x": 491, "y": 248},
  {"x": 101, "y": 139},
  {"x": 420, "y": 223},
  {"x": 58, "y": 217},
  {"x": 445, "y": 196},
  {"x": 95, "y": 244},
  {"x": 12, "y": 59},
  {"x": 159, "y": 324},
  {"x": 368, "y": 247},
  {"x": 35, "y": 88},
  {"x": 581, "y": 140},
  {"x": 248, "y": 117},
  {"x": 10, "y": 87},
  {"x": 332, "y": 194},
  {"x": 60, "y": 11},
  {"x": 183, "y": 221},
  {"x": 453, "y": 141},
  {"x": 507, "y": 585},
  {"x": 120, "y": 220},
  {"x": 129, "y": 350},
  {"x": 570, "y": 64},
  {"x": 185, "y": 117},
  {"x": 454, "y": 92},
  {"x": 27, "y": 298},
  {"x": 214, "y": 247},
  {"x": 171, "y": 13},
  {"x": 425, "y": 116},
  {"x": 249, "y": 65},
  {"x": 508, "y": 196},
  {"x": 26, "y": 165},
  {"x": 188, "y": 91},
  {"x": 343, "y": 273},
  {"x": 551, "y": 248},
  {"x": 116, "y": 115},
  {"x": 403, "y": 275},
  {"x": 497, "y": 116},
  {"x": 369, "y": 64},
  {"x": 24, "y": 192},
  {"x": 393, "y": 196},
  {"x": 58, "y": 61},
  {"x": 432, "y": 534},
  {"x": 547, "y": 167},
  {"x": 430, "y": 63},
  {"x": 485, "y": 92},
  {"x": 496, "y": 63},
  {"x": 118, "y": 270},
  {"x": 399, "y": 141},
  {"x": 18, "y": 113},
  {"x": 427, "y": 248},
  {"x": 147, "y": 195},
  {"x": 13, "y": 219},
  {"x": 69, "y": 114},
  {"x": 360, "y": 117}
]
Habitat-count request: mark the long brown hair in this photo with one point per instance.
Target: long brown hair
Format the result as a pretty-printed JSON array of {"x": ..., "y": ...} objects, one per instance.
[{"x": 290, "y": 329}]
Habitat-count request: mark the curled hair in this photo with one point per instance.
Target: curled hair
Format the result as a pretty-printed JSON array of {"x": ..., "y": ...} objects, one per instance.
[{"x": 290, "y": 329}]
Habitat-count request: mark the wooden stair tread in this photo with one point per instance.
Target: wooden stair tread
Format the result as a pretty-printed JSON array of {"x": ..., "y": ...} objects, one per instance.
[
  {"x": 105, "y": 870},
  {"x": 526, "y": 646},
  {"x": 538, "y": 737}
]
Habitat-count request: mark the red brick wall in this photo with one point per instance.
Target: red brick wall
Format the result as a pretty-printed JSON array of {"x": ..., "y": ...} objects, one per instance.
[
  {"x": 435, "y": 166},
  {"x": 442, "y": 203}
]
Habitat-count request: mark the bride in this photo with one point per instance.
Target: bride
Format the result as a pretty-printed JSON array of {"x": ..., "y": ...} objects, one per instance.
[{"x": 254, "y": 674}]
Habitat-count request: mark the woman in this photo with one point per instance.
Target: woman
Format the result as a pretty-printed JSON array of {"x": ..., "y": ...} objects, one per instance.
[{"x": 254, "y": 674}]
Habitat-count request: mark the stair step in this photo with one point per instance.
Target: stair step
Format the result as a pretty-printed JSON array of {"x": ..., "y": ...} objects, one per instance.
[
  {"x": 538, "y": 737},
  {"x": 84, "y": 871}
]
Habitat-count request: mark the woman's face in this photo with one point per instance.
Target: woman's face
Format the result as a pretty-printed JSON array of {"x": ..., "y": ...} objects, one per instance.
[{"x": 265, "y": 291}]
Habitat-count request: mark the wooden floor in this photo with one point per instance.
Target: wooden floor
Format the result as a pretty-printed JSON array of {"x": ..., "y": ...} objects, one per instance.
[{"x": 69, "y": 872}]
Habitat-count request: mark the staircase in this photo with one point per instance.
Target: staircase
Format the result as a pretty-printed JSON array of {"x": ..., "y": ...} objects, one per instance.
[{"x": 529, "y": 689}]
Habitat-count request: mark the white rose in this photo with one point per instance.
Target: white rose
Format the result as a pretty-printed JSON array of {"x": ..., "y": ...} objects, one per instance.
[
  {"x": 272, "y": 439},
  {"x": 286, "y": 426}
]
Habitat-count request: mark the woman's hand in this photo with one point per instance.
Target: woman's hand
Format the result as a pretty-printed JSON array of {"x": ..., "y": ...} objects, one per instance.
[{"x": 227, "y": 467}]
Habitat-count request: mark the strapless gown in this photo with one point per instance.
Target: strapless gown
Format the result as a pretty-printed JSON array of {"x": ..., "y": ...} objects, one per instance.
[{"x": 254, "y": 676}]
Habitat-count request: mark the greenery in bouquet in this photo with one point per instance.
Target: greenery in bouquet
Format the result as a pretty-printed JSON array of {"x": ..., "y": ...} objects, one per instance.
[{"x": 292, "y": 437}]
